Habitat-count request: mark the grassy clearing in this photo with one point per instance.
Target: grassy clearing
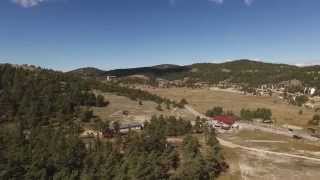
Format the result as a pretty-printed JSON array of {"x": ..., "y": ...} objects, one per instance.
[
  {"x": 203, "y": 99},
  {"x": 251, "y": 166},
  {"x": 136, "y": 112},
  {"x": 276, "y": 143}
]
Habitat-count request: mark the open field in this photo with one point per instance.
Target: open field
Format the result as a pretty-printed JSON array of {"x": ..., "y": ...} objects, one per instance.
[
  {"x": 136, "y": 112},
  {"x": 204, "y": 99},
  {"x": 276, "y": 143},
  {"x": 251, "y": 165},
  {"x": 247, "y": 165},
  {"x": 244, "y": 164}
]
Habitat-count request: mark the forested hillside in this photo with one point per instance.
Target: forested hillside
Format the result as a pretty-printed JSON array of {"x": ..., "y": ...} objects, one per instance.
[
  {"x": 40, "y": 124},
  {"x": 41, "y": 96},
  {"x": 255, "y": 73},
  {"x": 251, "y": 73}
]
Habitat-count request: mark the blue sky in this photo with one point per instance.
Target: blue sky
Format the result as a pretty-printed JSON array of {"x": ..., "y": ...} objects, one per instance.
[{"x": 67, "y": 34}]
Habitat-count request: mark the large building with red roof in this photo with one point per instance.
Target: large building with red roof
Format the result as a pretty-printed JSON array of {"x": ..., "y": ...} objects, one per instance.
[
  {"x": 223, "y": 121},
  {"x": 229, "y": 120}
]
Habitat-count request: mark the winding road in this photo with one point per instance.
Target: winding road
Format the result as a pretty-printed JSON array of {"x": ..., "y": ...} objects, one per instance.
[{"x": 266, "y": 129}]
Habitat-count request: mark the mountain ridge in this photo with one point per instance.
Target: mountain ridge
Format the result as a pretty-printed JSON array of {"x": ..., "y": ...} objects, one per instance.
[{"x": 243, "y": 71}]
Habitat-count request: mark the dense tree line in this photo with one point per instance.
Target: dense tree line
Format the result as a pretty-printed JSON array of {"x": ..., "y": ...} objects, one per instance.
[
  {"x": 246, "y": 72},
  {"x": 215, "y": 111},
  {"x": 171, "y": 126},
  {"x": 34, "y": 147},
  {"x": 51, "y": 153},
  {"x": 250, "y": 73},
  {"x": 197, "y": 165},
  {"x": 42, "y": 96},
  {"x": 133, "y": 94},
  {"x": 261, "y": 113}
]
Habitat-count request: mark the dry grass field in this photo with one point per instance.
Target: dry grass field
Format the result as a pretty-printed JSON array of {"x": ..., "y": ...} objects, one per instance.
[
  {"x": 136, "y": 112},
  {"x": 245, "y": 165},
  {"x": 204, "y": 99},
  {"x": 273, "y": 142},
  {"x": 249, "y": 165}
]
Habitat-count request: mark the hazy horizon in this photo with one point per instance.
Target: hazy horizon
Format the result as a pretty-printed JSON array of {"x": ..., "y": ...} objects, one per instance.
[{"x": 149, "y": 65}]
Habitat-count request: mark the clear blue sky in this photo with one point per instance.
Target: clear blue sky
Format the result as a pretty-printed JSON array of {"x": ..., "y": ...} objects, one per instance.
[{"x": 67, "y": 34}]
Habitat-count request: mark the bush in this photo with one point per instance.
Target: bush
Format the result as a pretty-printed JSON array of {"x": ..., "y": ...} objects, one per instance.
[
  {"x": 315, "y": 120},
  {"x": 86, "y": 115},
  {"x": 159, "y": 108},
  {"x": 216, "y": 111},
  {"x": 100, "y": 102},
  {"x": 300, "y": 100},
  {"x": 262, "y": 113}
]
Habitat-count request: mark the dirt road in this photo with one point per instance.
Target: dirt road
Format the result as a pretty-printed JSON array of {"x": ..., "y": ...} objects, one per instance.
[
  {"x": 265, "y": 128},
  {"x": 232, "y": 145}
]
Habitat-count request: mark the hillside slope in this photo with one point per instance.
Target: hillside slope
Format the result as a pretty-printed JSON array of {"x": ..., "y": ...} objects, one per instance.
[{"x": 243, "y": 71}]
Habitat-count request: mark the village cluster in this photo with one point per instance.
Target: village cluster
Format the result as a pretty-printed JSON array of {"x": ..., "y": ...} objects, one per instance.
[
  {"x": 221, "y": 123},
  {"x": 289, "y": 91}
]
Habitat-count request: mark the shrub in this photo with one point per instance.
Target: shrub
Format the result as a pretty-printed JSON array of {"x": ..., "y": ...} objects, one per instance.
[{"x": 214, "y": 111}]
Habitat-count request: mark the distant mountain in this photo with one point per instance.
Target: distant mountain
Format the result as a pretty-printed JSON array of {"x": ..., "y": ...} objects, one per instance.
[
  {"x": 88, "y": 72},
  {"x": 239, "y": 71},
  {"x": 155, "y": 71}
]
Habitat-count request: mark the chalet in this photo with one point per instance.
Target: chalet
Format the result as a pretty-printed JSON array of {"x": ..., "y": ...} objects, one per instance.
[
  {"x": 123, "y": 129},
  {"x": 224, "y": 121}
]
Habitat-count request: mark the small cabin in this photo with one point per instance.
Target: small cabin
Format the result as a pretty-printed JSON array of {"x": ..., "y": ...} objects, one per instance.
[{"x": 123, "y": 129}]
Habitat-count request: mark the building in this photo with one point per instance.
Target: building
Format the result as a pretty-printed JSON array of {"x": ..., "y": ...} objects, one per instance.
[
  {"x": 123, "y": 129},
  {"x": 110, "y": 78},
  {"x": 223, "y": 121},
  {"x": 90, "y": 133}
]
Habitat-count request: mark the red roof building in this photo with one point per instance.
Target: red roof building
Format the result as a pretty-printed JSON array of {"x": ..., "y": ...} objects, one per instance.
[{"x": 229, "y": 120}]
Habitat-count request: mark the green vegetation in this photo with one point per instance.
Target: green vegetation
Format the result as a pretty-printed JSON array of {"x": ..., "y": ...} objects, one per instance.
[
  {"x": 170, "y": 126},
  {"x": 182, "y": 103},
  {"x": 261, "y": 113},
  {"x": 215, "y": 111},
  {"x": 196, "y": 165},
  {"x": 42, "y": 97},
  {"x": 245, "y": 72},
  {"x": 50, "y": 153},
  {"x": 315, "y": 120},
  {"x": 300, "y": 100},
  {"x": 41, "y": 119}
]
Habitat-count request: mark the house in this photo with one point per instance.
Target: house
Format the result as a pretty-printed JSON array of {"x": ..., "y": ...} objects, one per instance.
[
  {"x": 110, "y": 78},
  {"x": 224, "y": 121},
  {"x": 90, "y": 133},
  {"x": 123, "y": 129}
]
